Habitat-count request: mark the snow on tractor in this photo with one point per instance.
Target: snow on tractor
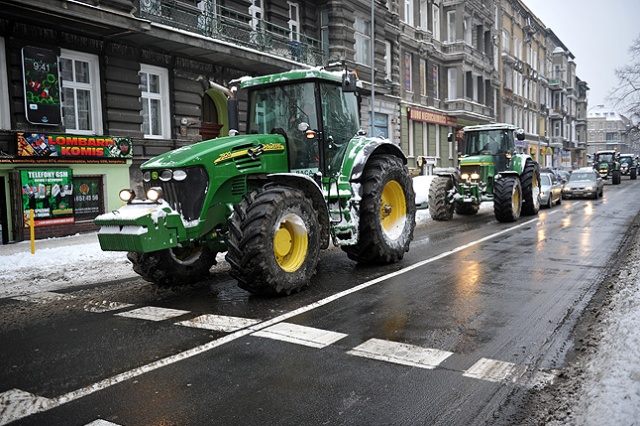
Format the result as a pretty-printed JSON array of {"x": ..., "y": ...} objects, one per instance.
[
  {"x": 489, "y": 170},
  {"x": 607, "y": 164},
  {"x": 303, "y": 173}
]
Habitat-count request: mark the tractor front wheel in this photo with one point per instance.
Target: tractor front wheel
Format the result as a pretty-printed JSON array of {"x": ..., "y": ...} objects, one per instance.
[
  {"x": 273, "y": 241},
  {"x": 439, "y": 206},
  {"x": 616, "y": 177},
  {"x": 530, "y": 182},
  {"x": 507, "y": 199},
  {"x": 174, "y": 266},
  {"x": 387, "y": 212}
]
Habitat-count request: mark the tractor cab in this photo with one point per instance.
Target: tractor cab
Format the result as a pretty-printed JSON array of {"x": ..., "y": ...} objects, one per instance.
[
  {"x": 317, "y": 113},
  {"x": 498, "y": 143}
]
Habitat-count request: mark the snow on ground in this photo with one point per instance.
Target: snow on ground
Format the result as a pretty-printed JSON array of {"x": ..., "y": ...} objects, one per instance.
[{"x": 605, "y": 391}]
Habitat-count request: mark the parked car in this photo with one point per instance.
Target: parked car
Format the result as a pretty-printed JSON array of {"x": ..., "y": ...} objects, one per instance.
[
  {"x": 550, "y": 190},
  {"x": 584, "y": 182}
]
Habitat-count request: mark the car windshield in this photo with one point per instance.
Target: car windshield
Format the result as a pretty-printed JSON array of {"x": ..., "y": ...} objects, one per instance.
[{"x": 581, "y": 177}]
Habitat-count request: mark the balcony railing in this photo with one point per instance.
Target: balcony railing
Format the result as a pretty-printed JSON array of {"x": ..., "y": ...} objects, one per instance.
[{"x": 225, "y": 24}]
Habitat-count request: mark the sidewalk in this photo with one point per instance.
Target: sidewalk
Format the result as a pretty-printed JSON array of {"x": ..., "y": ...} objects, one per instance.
[{"x": 47, "y": 243}]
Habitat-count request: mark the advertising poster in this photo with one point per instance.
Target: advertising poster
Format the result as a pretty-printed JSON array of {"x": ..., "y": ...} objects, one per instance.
[
  {"x": 50, "y": 194},
  {"x": 41, "y": 85},
  {"x": 73, "y": 146},
  {"x": 86, "y": 197}
]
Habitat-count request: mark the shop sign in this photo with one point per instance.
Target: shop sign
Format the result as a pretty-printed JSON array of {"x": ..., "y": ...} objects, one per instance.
[
  {"x": 49, "y": 193},
  {"x": 56, "y": 145},
  {"x": 431, "y": 117}
]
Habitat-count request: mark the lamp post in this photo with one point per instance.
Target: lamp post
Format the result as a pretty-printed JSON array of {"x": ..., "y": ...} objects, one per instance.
[{"x": 373, "y": 58}]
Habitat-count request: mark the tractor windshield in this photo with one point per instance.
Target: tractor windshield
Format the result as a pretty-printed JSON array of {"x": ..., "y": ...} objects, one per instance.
[
  {"x": 487, "y": 142},
  {"x": 281, "y": 109},
  {"x": 605, "y": 158},
  {"x": 626, "y": 160}
]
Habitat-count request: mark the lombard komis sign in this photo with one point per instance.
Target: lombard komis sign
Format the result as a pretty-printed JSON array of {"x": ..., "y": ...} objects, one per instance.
[{"x": 73, "y": 146}]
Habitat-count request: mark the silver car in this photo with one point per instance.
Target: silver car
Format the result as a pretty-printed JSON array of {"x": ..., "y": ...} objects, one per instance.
[
  {"x": 550, "y": 190},
  {"x": 584, "y": 182}
]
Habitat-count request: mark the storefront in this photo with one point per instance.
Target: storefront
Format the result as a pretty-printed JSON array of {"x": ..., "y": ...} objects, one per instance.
[
  {"x": 427, "y": 133},
  {"x": 64, "y": 180}
]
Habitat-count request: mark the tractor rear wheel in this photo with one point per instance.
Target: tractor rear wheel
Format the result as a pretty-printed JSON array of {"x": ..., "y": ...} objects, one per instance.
[
  {"x": 439, "y": 206},
  {"x": 387, "y": 212},
  {"x": 530, "y": 182},
  {"x": 507, "y": 199},
  {"x": 273, "y": 241},
  {"x": 174, "y": 266}
]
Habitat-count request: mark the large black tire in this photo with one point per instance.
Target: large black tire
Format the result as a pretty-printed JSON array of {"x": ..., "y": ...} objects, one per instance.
[
  {"x": 633, "y": 174},
  {"x": 273, "y": 241},
  {"x": 530, "y": 182},
  {"x": 439, "y": 206},
  {"x": 174, "y": 266},
  {"x": 387, "y": 212},
  {"x": 466, "y": 209},
  {"x": 616, "y": 177},
  {"x": 507, "y": 199}
]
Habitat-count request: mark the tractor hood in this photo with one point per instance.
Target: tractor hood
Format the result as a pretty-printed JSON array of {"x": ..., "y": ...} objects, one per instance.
[
  {"x": 477, "y": 160},
  {"x": 218, "y": 151}
]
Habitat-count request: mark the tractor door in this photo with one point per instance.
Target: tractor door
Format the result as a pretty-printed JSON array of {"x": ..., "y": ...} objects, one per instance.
[{"x": 340, "y": 121}]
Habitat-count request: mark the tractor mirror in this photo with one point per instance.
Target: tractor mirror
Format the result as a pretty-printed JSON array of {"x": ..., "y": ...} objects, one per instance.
[
  {"x": 520, "y": 134},
  {"x": 349, "y": 80},
  {"x": 450, "y": 137}
]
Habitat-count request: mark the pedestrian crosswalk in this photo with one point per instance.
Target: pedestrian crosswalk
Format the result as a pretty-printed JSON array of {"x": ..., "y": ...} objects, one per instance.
[{"x": 16, "y": 403}]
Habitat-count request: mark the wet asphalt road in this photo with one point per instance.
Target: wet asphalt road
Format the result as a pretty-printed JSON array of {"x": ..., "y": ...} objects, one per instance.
[{"x": 477, "y": 313}]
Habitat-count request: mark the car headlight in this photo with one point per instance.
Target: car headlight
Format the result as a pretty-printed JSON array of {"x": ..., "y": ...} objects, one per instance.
[
  {"x": 154, "y": 194},
  {"x": 589, "y": 188}
]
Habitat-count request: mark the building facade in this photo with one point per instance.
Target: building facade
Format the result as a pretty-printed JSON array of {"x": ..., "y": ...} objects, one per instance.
[
  {"x": 607, "y": 129},
  {"x": 100, "y": 86}
]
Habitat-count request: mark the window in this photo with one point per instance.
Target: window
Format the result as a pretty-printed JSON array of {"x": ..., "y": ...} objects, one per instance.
[
  {"x": 506, "y": 38},
  {"x": 435, "y": 16},
  {"x": 363, "y": 40},
  {"x": 381, "y": 125},
  {"x": 424, "y": 15},
  {"x": 5, "y": 119},
  {"x": 434, "y": 76},
  {"x": 256, "y": 11},
  {"x": 387, "y": 60},
  {"x": 80, "y": 93},
  {"x": 408, "y": 12},
  {"x": 408, "y": 73},
  {"x": 451, "y": 26},
  {"x": 468, "y": 34},
  {"x": 324, "y": 31},
  {"x": 452, "y": 75},
  {"x": 423, "y": 77},
  {"x": 294, "y": 21},
  {"x": 557, "y": 128},
  {"x": 154, "y": 88}
]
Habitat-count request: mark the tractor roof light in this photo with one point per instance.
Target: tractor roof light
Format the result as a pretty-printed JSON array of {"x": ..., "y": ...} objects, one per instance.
[
  {"x": 154, "y": 194},
  {"x": 127, "y": 195}
]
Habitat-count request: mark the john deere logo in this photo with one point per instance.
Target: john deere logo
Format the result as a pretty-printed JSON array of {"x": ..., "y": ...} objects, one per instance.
[{"x": 154, "y": 175}]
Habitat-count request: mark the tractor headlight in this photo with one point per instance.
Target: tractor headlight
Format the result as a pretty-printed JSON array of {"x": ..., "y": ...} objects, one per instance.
[
  {"x": 154, "y": 194},
  {"x": 475, "y": 176},
  {"x": 127, "y": 195},
  {"x": 464, "y": 176},
  {"x": 146, "y": 176},
  {"x": 179, "y": 175},
  {"x": 165, "y": 175}
]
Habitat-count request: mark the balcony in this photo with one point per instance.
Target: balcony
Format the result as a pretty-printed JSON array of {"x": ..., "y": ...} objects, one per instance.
[
  {"x": 463, "y": 108},
  {"x": 556, "y": 141},
  {"x": 228, "y": 25}
]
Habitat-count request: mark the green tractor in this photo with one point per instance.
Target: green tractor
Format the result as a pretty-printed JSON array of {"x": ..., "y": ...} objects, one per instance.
[
  {"x": 607, "y": 164},
  {"x": 302, "y": 175},
  {"x": 489, "y": 170},
  {"x": 629, "y": 166}
]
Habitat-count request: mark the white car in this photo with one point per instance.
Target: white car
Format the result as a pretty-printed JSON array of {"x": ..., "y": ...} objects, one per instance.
[{"x": 550, "y": 190}]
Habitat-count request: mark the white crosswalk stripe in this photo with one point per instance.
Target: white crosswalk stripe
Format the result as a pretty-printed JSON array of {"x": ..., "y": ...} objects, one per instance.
[
  {"x": 307, "y": 336},
  {"x": 152, "y": 313},
  {"x": 218, "y": 323},
  {"x": 400, "y": 353}
]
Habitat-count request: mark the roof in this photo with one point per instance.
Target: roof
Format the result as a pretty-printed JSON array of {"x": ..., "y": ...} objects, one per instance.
[
  {"x": 316, "y": 73},
  {"x": 494, "y": 126}
]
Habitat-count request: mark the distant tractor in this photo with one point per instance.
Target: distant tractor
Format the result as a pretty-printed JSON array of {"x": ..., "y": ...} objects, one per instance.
[
  {"x": 489, "y": 170},
  {"x": 629, "y": 166},
  {"x": 607, "y": 164},
  {"x": 304, "y": 174}
]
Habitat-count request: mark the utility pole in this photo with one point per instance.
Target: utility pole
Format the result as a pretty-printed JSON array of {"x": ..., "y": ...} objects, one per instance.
[{"x": 373, "y": 70}]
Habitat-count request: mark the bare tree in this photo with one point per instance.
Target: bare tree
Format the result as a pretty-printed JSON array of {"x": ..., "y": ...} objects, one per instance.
[{"x": 626, "y": 95}]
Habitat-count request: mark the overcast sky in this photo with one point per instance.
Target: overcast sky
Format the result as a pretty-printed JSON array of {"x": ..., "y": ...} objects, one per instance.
[{"x": 599, "y": 35}]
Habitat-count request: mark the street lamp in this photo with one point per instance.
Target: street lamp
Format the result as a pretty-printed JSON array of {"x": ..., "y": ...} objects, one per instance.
[{"x": 373, "y": 57}]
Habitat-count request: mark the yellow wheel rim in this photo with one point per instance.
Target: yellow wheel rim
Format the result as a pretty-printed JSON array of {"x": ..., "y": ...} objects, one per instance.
[
  {"x": 516, "y": 198},
  {"x": 393, "y": 209},
  {"x": 290, "y": 243}
]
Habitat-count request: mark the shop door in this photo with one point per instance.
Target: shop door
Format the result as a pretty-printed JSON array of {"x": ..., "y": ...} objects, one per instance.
[{"x": 4, "y": 216}]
